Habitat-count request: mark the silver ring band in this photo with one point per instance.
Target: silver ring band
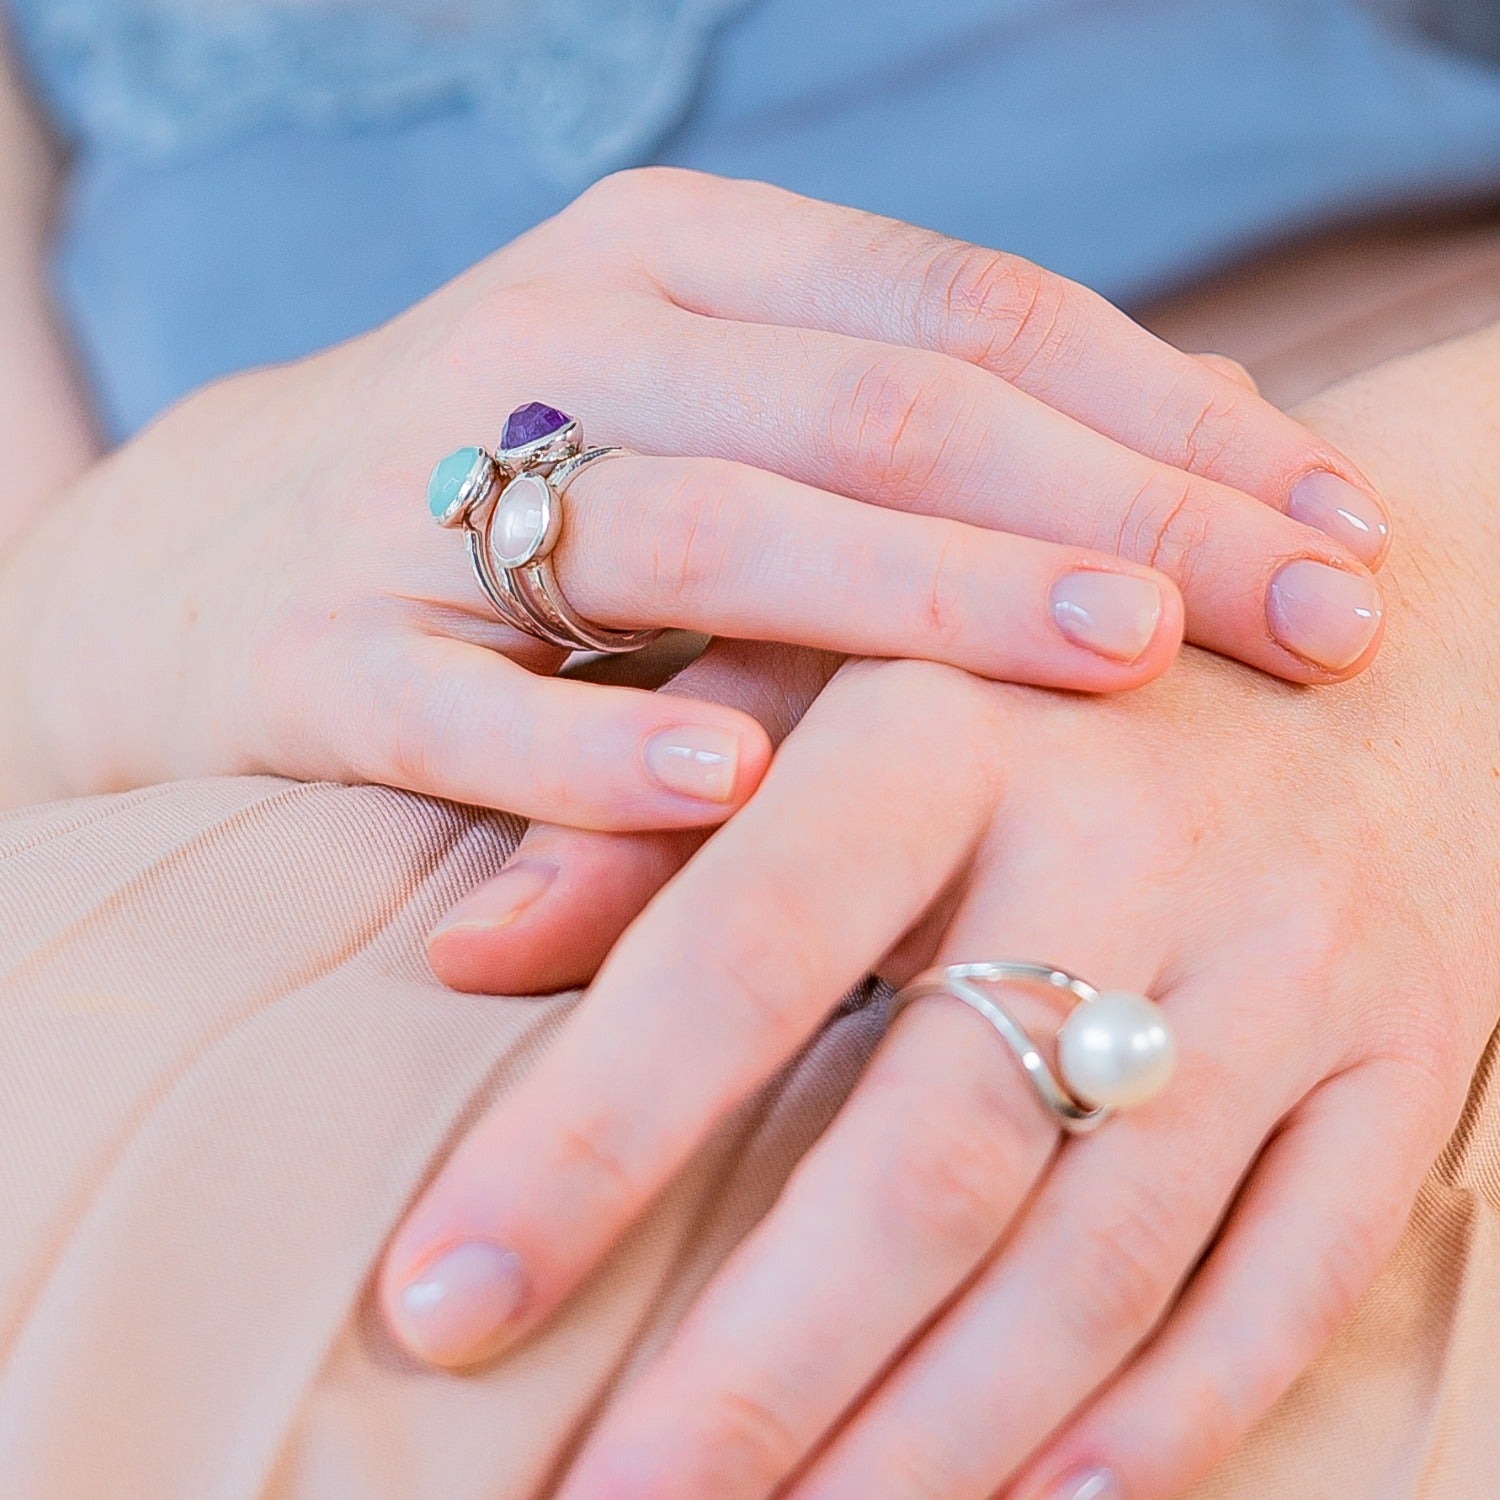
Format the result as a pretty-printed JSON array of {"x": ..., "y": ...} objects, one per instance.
[
  {"x": 1115, "y": 1049},
  {"x": 535, "y": 588},
  {"x": 510, "y": 506}
]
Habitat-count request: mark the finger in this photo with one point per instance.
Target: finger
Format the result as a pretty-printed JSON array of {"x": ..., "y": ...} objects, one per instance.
[
  {"x": 734, "y": 966},
  {"x": 803, "y": 263},
  {"x": 1082, "y": 1279},
  {"x": 453, "y": 720},
  {"x": 731, "y": 550},
  {"x": 917, "y": 431},
  {"x": 1230, "y": 369},
  {"x": 887, "y": 1216},
  {"x": 1302, "y": 1245},
  {"x": 547, "y": 921}
]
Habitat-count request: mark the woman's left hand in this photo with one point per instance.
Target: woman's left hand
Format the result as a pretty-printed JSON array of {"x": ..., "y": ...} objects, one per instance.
[{"x": 947, "y": 1300}]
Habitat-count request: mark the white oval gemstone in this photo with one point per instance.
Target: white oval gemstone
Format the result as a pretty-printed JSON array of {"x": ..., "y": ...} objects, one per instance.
[
  {"x": 519, "y": 527},
  {"x": 1116, "y": 1051}
]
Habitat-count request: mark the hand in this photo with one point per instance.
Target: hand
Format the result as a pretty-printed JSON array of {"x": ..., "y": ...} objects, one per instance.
[
  {"x": 943, "y": 1302},
  {"x": 255, "y": 585}
]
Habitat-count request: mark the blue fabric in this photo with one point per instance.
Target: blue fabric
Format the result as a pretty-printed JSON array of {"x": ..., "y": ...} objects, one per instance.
[
  {"x": 1125, "y": 142},
  {"x": 582, "y": 84}
]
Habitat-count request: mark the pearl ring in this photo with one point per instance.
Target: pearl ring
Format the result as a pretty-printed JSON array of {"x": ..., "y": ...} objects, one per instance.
[{"x": 1115, "y": 1049}]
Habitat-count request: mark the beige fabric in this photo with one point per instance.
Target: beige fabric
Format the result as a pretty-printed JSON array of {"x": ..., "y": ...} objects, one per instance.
[{"x": 224, "y": 1069}]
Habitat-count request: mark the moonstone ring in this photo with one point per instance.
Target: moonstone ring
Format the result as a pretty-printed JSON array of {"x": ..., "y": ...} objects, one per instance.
[
  {"x": 510, "y": 506},
  {"x": 1115, "y": 1049}
]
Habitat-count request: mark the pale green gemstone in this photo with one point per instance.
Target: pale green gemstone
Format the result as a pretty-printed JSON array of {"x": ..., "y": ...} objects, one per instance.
[{"x": 447, "y": 479}]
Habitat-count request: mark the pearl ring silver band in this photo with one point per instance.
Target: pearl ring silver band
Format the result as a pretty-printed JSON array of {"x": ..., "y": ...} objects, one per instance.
[
  {"x": 1115, "y": 1049},
  {"x": 510, "y": 506}
]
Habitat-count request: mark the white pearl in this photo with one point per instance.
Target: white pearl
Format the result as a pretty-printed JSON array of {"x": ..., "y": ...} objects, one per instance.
[
  {"x": 520, "y": 522},
  {"x": 1116, "y": 1051}
]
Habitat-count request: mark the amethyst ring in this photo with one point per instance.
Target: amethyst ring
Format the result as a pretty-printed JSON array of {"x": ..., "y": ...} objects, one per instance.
[{"x": 510, "y": 506}]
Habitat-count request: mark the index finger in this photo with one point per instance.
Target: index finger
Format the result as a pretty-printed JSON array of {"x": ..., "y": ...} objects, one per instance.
[
  {"x": 732, "y": 968},
  {"x": 800, "y": 262}
]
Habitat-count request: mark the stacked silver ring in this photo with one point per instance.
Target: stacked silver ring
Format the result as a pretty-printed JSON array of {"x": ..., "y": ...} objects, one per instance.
[{"x": 510, "y": 506}]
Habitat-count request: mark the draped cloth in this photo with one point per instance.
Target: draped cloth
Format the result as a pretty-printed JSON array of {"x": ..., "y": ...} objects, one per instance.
[{"x": 223, "y": 1072}]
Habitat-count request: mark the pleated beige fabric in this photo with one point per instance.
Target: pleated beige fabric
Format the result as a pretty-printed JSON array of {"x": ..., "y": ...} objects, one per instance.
[{"x": 223, "y": 1071}]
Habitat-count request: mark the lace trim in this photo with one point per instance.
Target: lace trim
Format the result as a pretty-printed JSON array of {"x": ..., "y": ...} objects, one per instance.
[{"x": 582, "y": 86}]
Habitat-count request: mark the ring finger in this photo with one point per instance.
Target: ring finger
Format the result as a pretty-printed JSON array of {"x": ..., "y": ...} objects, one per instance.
[
  {"x": 1083, "y": 1280},
  {"x": 730, "y": 550}
]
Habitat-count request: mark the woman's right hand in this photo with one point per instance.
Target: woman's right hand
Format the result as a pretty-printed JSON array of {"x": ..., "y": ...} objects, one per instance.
[{"x": 896, "y": 445}]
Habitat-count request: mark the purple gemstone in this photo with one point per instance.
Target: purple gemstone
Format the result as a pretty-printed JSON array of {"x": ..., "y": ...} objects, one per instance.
[{"x": 532, "y": 422}]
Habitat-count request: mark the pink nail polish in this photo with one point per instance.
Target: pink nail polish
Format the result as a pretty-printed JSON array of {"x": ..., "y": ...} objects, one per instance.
[
  {"x": 1350, "y": 515},
  {"x": 456, "y": 1311},
  {"x": 695, "y": 760},
  {"x": 1325, "y": 615},
  {"x": 1112, "y": 614},
  {"x": 499, "y": 902}
]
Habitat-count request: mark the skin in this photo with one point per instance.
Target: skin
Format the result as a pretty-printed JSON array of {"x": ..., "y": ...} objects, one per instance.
[
  {"x": 1013, "y": 1313},
  {"x": 45, "y": 431},
  {"x": 948, "y": 422}
]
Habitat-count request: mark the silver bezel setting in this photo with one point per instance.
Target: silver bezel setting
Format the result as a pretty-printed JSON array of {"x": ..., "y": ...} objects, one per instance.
[
  {"x": 478, "y": 483},
  {"x": 543, "y": 451},
  {"x": 551, "y": 522}
]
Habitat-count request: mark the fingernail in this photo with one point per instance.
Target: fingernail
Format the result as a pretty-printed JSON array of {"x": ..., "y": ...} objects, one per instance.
[
  {"x": 1115, "y": 614},
  {"x": 499, "y": 902},
  {"x": 694, "y": 761},
  {"x": 455, "y": 1313},
  {"x": 1090, "y": 1484},
  {"x": 1343, "y": 511},
  {"x": 1323, "y": 614}
]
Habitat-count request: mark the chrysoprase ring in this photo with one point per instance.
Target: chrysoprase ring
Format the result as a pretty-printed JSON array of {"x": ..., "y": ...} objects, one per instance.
[{"x": 509, "y": 504}]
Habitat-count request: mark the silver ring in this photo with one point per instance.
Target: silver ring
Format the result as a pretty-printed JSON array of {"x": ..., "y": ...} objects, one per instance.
[
  {"x": 510, "y": 506},
  {"x": 1115, "y": 1049}
]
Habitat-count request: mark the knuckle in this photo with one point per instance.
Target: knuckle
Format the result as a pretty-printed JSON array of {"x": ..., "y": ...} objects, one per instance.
[
  {"x": 422, "y": 712},
  {"x": 752, "y": 1445},
  {"x": 635, "y": 189},
  {"x": 916, "y": 1468},
  {"x": 1318, "y": 927},
  {"x": 1232, "y": 369},
  {"x": 1220, "y": 1404},
  {"x": 1343, "y": 1269},
  {"x": 1200, "y": 430},
  {"x": 761, "y": 960},
  {"x": 1127, "y": 1268},
  {"x": 995, "y": 309},
  {"x": 897, "y": 421},
  {"x": 944, "y": 1178},
  {"x": 908, "y": 695},
  {"x": 596, "y": 1146},
  {"x": 945, "y": 596},
  {"x": 1424, "y": 1076},
  {"x": 1162, "y": 525},
  {"x": 688, "y": 543},
  {"x": 960, "y": 716}
]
